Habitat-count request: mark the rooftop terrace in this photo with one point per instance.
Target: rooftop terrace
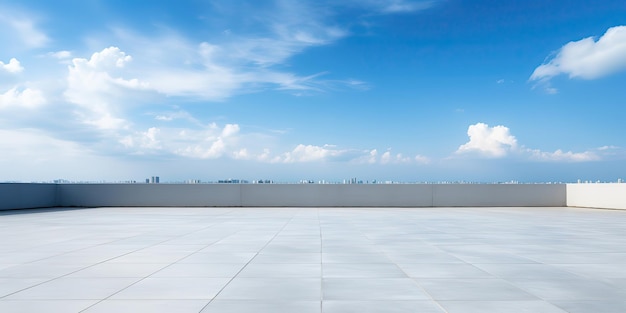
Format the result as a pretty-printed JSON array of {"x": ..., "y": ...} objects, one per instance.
[
  {"x": 350, "y": 248},
  {"x": 514, "y": 259}
]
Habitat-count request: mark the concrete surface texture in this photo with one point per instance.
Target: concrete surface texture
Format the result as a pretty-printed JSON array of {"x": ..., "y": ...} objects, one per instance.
[{"x": 456, "y": 260}]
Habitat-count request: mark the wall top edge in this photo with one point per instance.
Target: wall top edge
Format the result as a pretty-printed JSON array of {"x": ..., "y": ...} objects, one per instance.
[{"x": 297, "y": 184}]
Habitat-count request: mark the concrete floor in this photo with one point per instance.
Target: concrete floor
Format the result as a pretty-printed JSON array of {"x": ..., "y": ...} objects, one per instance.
[{"x": 457, "y": 260}]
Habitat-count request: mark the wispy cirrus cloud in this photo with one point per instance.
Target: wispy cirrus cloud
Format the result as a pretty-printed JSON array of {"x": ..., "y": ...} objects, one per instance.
[
  {"x": 20, "y": 30},
  {"x": 392, "y": 6}
]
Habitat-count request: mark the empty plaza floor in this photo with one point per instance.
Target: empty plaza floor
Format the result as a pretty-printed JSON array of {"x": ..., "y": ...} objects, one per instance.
[{"x": 456, "y": 260}]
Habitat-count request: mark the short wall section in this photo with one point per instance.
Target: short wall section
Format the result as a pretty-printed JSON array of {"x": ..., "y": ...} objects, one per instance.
[
  {"x": 146, "y": 195},
  {"x": 605, "y": 196},
  {"x": 27, "y": 196},
  {"x": 336, "y": 195},
  {"x": 506, "y": 195}
]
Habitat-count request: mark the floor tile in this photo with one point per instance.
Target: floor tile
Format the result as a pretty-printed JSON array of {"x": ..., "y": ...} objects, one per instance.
[
  {"x": 501, "y": 306},
  {"x": 473, "y": 289},
  {"x": 443, "y": 271},
  {"x": 362, "y": 270},
  {"x": 48, "y": 306},
  {"x": 259, "y": 306},
  {"x": 569, "y": 289},
  {"x": 227, "y": 270},
  {"x": 148, "y": 306},
  {"x": 301, "y": 289},
  {"x": 574, "y": 306},
  {"x": 336, "y": 306},
  {"x": 74, "y": 289},
  {"x": 290, "y": 258},
  {"x": 372, "y": 289},
  {"x": 173, "y": 289},
  {"x": 119, "y": 270},
  {"x": 281, "y": 270}
]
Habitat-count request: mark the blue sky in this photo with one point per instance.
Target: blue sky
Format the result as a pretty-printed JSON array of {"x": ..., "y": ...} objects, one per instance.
[{"x": 440, "y": 90}]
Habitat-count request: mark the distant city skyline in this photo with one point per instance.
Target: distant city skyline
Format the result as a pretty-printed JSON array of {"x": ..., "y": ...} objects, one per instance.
[{"x": 392, "y": 90}]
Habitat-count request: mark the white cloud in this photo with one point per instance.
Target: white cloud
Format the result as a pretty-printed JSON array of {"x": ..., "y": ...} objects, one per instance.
[
  {"x": 488, "y": 141},
  {"x": 401, "y": 6},
  {"x": 568, "y": 156},
  {"x": 385, "y": 158},
  {"x": 22, "y": 29},
  {"x": 587, "y": 58},
  {"x": 390, "y": 158},
  {"x": 95, "y": 74},
  {"x": 209, "y": 142},
  {"x": 92, "y": 87},
  {"x": 236, "y": 63},
  {"x": 310, "y": 153},
  {"x": 393, "y": 6},
  {"x": 175, "y": 115},
  {"x": 36, "y": 146},
  {"x": 422, "y": 159},
  {"x": 61, "y": 55},
  {"x": 371, "y": 157},
  {"x": 26, "y": 98},
  {"x": 497, "y": 142},
  {"x": 143, "y": 141},
  {"x": 13, "y": 66},
  {"x": 36, "y": 155}
]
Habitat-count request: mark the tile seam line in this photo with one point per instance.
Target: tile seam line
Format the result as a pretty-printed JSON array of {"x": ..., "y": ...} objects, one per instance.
[
  {"x": 143, "y": 278},
  {"x": 246, "y": 265},
  {"x": 408, "y": 276}
]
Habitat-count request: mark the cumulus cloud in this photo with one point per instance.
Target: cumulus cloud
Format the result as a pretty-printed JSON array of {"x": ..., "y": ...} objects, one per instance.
[
  {"x": 92, "y": 86},
  {"x": 422, "y": 159},
  {"x": 488, "y": 141},
  {"x": 587, "y": 58},
  {"x": 94, "y": 74},
  {"x": 25, "y": 98},
  {"x": 13, "y": 66},
  {"x": 143, "y": 141},
  {"x": 209, "y": 142},
  {"x": 388, "y": 158},
  {"x": 498, "y": 142},
  {"x": 309, "y": 153}
]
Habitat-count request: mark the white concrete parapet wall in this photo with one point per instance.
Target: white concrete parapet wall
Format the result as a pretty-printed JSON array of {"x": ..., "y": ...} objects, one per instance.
[
  {"x": 96, "y": 195},
  {"x": 331, "y": 195},
  {"x": 15, "y": 196},
  {"x": 492, "y": 195},
  {"x": 26, "y": 196},
  {"x": 605, "y": 196},
  {"x": 311, "y": 195}
]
